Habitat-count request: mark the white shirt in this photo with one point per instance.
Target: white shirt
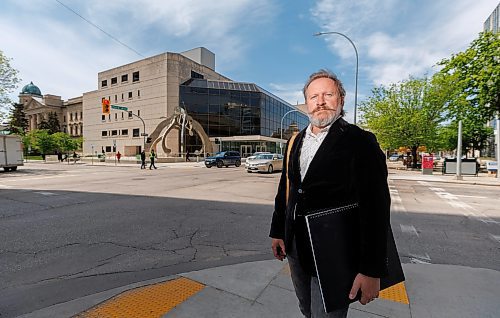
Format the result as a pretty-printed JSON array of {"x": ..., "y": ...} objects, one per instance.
[{"x": 310, "y": 146}]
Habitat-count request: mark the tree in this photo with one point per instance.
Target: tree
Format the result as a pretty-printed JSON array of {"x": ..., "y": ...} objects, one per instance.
[
  {"x": 476, "y": 78},
  {"x": 53, "y": 123},
  {"x": 405, "y": 114},
  {"x": 474, "y": 136},
  {"x": 18, "y": 123},
  {"x": 42, "y": 141},
  {"x": 8, "y": 82},
  {"x": 66, "y": 143}
]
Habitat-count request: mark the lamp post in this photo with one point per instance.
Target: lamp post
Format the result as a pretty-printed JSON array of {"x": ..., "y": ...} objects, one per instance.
[
  {"x": 144, "y": 129},
  {"x": 357, "y": 64},
  {"x": 281, "y": 127}
]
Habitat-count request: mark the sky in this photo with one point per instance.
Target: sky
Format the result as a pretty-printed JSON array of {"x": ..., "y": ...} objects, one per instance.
[{"x": 267, "y": 42}]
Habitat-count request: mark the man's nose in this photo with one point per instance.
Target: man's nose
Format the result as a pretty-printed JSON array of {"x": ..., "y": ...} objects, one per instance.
[{"x": 320, "y": 100}]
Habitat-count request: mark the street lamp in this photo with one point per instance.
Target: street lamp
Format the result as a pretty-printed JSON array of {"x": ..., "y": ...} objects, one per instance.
[
  {"x": 144, "y": 129},
  {"x": 281, "y": 127},
  {"x": 357, "y": 63}
]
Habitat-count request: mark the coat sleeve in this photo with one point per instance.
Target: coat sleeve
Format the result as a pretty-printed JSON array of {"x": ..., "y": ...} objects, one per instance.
[
  {"x": 374, "y": 202},
  {"x": 279, "y": 214}
]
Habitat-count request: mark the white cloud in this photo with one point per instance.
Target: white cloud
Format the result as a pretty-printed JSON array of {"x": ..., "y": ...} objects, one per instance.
[
  {"x": 290, "y": 92},
  {"x": 62, "y": 54},
  {"x": 395, "y": 38}
]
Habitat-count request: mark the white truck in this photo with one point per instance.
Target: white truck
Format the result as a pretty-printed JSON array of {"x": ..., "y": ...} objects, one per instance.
[{"x": 11, "y": 152}]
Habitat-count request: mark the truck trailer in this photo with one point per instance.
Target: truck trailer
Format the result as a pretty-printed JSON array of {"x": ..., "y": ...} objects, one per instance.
[{"x": 11, "y": 152}]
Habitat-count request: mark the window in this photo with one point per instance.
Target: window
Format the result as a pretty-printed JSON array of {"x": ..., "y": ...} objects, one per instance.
[
  {"x": 138, "y": 113},
  {"x": 135, "y": 76},
  {"x": 135, "y": 132},
  {"x": 196, "y": 75},
  {"x": 81, "y": 115},
  {"x": 116, "y": 116},
  {"x": 122, "y": 114},
  {"x": 70, "y": 116},
  {"x": 124, "y": 132},
  {"x": 108, "y": 148},
  {"x": 103, "y": 117},
  {"x": 104, "y": 83},
  {"x": 138, "y": 93},
  {"x": 104, "y": 133},
  {"x": 129, "y": 94},
  {"x": 114, "y": 80},
  {"x": 116, "y": 98},
  {"x": 122, "y": 97},
  {"x": 64, "y": 118},
  {"x": 125, "y": 78},
  {"x": 129, "y": 114},
  {"x": 114, "y": 133}
]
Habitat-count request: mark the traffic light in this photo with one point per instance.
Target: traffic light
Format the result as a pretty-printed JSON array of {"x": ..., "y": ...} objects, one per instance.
[{"x": 106, "y": 109}]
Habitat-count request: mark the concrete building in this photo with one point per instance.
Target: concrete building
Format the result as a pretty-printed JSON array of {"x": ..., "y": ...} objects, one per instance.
[
  {"x": 491, "y": 24},
  {"x": 173, "y": 103}
]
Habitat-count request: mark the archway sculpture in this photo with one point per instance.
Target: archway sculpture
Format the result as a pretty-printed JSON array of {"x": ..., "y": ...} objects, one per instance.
[{"x": 177, "y": 121}]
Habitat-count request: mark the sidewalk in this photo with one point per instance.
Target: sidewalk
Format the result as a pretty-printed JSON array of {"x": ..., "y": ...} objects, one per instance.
[{"x": 263, "y": 289}]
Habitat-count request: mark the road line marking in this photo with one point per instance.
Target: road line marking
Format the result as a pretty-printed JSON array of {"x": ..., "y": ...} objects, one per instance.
[
  {"x": 494, "y": 237},
  {"x": 46, "y": 193},
  {"x": 420, "y": 259},
  {"x": 41, "y": 178},
  {"x": 470, "y": 196},
  {"x": 408, "y": 229},
  {"x": 424, "y": 183}
]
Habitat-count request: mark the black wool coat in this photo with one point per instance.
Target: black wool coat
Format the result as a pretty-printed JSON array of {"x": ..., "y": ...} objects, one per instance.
[{"x": 348, "y": 167}]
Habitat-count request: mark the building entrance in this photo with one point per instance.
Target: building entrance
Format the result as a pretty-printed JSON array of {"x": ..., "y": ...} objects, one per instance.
[{"x": 246, "y": 151}]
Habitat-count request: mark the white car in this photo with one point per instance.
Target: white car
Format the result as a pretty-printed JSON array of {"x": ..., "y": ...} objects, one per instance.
[
  {"x": 265, "y": 163},
  {"x": 255, "y": 154}
]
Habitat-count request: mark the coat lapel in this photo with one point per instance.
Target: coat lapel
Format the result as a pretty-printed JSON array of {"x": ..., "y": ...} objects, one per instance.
[
  {"x": 294, "y": 165},
  {"x": 334, "y": 134}
]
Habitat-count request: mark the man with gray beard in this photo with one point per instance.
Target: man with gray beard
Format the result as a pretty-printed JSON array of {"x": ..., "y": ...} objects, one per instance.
[{"x": 332, "y": 164}]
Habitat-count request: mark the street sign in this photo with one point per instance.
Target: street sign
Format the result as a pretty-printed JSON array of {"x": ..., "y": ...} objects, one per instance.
[
  {"x": 144, "y": 134},
  {"x": 119, "y": 107}
]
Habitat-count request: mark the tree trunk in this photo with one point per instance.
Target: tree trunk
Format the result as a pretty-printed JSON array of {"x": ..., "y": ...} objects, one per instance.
[{"x": 414, "y": 156}]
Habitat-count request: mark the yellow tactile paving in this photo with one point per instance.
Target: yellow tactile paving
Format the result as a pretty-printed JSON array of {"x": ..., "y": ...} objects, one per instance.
[
  {"x": 395, "y": 293},
  {"x": 145, "y": 302}
]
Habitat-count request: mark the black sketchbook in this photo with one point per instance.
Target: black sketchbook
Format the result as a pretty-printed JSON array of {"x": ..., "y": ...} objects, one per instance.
[{"x": 335, "y": 263}]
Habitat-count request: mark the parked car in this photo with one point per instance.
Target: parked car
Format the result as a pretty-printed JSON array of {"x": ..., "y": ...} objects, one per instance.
[
  {"x": 255, "y": 154},
  {"x": 394, "y": 157},
  {"x": 265, "y": 163},
  {"x": 224, "y": 158}
]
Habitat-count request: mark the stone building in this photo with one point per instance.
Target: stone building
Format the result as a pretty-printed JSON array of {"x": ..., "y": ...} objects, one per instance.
[{"x": 37, "y": 108}]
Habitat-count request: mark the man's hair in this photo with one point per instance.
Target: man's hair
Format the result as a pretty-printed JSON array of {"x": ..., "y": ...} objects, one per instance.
[{"x": 323, "y": 73}]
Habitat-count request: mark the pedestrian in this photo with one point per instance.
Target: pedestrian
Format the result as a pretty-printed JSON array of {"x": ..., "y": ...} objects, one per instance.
[
  {"x": 327, "y": 168},
  {"x": 143, "y": 159},
  {"x": 59, "y": 156},
  {"x": 187, "y": 156},
  {"x": 118, "y": 156},
  {"x": 152, "y": 157},
  {"x": 75, "y": 156}
]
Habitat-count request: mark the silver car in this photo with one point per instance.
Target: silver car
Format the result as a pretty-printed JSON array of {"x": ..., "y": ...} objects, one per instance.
[{"x": 265, "y": 163}]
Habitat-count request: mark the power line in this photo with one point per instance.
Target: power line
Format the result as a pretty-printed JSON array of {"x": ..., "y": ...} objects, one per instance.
[{"x": 99, "y": 28}]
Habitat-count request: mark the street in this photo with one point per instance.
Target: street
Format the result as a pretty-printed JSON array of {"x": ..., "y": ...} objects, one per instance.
[{"x": 67, "y": 231}]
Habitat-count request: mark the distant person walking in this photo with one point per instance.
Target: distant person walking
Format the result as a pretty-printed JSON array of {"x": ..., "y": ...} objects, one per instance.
[
  {"x": 152, "y": 157},
  {"x": 118, "y": 156},
  {"x": 187, "y": 156},
  {"x": 143, "y": 159}
]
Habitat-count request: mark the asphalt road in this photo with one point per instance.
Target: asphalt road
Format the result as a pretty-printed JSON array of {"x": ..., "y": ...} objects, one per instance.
[{"x": 67, "y": 231}]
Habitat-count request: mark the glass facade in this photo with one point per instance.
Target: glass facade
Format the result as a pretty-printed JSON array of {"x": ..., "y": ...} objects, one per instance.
[{"x": 236, "y": 109}]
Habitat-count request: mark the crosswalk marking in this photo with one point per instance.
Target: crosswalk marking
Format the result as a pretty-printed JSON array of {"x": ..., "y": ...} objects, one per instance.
[{"x": 408, "y": 229}]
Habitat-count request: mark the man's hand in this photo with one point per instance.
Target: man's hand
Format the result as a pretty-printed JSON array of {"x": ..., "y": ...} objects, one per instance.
[
  {"x": 278, "y": 248},
  {"x": 369, "y": 286}
]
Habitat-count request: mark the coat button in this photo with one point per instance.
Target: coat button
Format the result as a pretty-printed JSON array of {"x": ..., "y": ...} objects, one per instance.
[{"x": 301, "y": 191}]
